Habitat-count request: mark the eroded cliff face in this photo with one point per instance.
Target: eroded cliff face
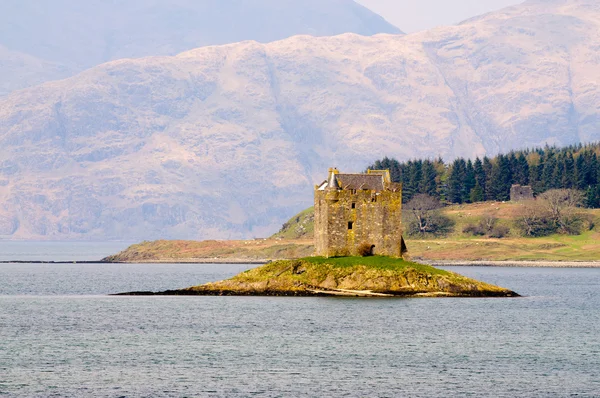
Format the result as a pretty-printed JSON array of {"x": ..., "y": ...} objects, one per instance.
[{"x": 227, "y": 141}]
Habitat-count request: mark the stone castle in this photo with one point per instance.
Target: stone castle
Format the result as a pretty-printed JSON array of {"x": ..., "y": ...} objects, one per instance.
[{"x": 355, "y": 211}]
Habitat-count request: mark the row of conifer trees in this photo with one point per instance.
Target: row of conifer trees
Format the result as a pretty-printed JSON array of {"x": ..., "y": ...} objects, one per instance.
[{"x": 468, "y": 181}]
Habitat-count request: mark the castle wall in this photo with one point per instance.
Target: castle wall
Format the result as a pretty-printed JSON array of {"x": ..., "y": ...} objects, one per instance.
[
  {"x": 376, "y": 220},
  {"x": 519, "y": 193}
]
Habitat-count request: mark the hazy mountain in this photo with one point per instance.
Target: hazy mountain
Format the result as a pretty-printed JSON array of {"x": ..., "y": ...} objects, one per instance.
[
  {"x": 76, "y": 35},
  {"x": 228, "y": 141},
  {"x": 18, "y": 70}
]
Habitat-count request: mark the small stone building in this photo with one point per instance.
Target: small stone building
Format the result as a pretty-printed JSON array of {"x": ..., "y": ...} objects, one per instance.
[
  {"x": 354, "y": 210},
  {"x": 519, "y": 193}
]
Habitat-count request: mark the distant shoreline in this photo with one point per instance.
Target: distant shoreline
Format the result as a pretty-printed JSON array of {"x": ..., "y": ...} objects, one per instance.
[
  {"x": 440, "y": 263},
  {"x": 513, "y": 263}
]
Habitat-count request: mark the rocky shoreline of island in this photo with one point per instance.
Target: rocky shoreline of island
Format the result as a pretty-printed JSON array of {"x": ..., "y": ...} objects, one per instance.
[{"x": 343, "y": 276}]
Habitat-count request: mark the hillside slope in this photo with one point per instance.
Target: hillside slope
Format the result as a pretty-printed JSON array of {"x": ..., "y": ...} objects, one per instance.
[
  {"x": 80, "y": 34},
  {"x": 295, "y": 240},
  {"x": 228, "y": 141}
]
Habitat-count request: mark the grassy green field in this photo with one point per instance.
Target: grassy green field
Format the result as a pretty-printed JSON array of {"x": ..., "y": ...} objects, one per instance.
[
  {"x": 461, "y": 246},
  {"x": 375, "y": 262}
]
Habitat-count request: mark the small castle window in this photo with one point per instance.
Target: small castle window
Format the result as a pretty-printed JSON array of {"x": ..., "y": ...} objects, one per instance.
[
  {"x": 353, "y": 205},
  {"x": 350, "y": 224}
]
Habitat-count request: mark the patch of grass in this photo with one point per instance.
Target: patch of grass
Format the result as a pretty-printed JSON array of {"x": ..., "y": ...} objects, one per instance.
[{"x": 374, "y": 262}]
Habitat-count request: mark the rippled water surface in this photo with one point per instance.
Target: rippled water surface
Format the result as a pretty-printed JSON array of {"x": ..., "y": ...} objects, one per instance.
[{"x": 60, "y": 335}]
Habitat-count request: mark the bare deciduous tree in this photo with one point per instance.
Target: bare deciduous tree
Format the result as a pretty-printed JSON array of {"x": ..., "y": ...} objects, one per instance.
[
  {"x": 553, "y": 211},
  {"x": 425, "y": 217},
  {"x": 561, "y": 205}
]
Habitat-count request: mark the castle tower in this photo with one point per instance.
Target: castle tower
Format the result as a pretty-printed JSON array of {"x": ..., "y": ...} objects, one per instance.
[{"x": 353, "y": 210}]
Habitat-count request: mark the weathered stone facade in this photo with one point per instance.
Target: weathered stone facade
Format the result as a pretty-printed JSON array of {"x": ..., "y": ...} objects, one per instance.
[
  {"x": 352, "y": 210},
  {"x": 519, "y": 193}
]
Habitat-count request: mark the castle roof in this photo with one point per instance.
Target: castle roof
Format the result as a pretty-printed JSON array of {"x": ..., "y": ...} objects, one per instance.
[{"x": 371, "y": 182}]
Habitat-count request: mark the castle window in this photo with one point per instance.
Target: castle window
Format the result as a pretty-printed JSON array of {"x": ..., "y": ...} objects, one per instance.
[
  {"x": 350, "y": 224},
  {"x": 354, "y": 205}
]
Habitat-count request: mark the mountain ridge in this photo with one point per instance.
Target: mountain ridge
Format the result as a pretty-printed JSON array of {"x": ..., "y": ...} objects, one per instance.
[
  {"x": 78, "y": 35},
  {"x": 227, "y": 141}
]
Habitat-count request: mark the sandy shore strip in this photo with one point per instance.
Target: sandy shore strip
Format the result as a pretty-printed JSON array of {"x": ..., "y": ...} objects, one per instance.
[{"x": 513, "y": 263}]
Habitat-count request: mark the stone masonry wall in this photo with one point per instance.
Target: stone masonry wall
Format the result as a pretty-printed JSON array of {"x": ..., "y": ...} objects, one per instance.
[
  {"x": 519, "y": 193},
  {"x": 376, "y": 220}
]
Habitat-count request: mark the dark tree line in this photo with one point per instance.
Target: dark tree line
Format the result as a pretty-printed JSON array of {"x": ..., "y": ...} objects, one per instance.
[{"x": 467, "y": 181}]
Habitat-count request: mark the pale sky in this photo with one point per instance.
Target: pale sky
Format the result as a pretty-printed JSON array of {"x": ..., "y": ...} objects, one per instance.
[{"x": 415, "y": 15}]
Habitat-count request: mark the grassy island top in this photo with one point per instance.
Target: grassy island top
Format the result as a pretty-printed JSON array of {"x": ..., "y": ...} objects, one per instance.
[
  {"x": 348, "y": 276},
  {"x": 374, "y": 262}
]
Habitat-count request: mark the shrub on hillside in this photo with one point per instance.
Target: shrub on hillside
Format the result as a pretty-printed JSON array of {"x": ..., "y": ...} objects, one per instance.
[
  {"x": 499, "y": 231},
  {"x": 473, "y": 229},
  {"x": 487, "y": 226}
]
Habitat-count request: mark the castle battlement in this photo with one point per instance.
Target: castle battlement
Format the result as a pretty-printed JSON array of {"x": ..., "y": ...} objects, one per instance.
[{"x": 352, "y": 210}]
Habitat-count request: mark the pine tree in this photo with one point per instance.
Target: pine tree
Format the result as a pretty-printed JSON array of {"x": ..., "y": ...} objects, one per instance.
[
  {"x": 575, "y": 167},
  {"x": 513, "y": 165},
  {"x": 479, "y": 173},
  {"x": 488, "y": 189},
  {"x": 594, "y": 170},
  {"x": 568, "y": 172},
  {"x": 501, "y": 179},
  {"x": 549, "y": 173},
  {"x": 456, "y": 181},
  {"x": 428, "y": 183},
  {"x": 521, "y": 171},
  {"x": 535, "y": 176},
  {"x": 414, "y": 178},
  {"x": 476, "y": 193},
  {"x": 580, "y": 172},
  {"x": 593, "y": 197},
  {"x": 470, "y": 181}
]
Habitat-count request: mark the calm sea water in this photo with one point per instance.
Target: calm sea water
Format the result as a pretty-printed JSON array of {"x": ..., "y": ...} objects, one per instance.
[
  {"x": 60, "y": 335},
  {"x": 58, "y": 251}
]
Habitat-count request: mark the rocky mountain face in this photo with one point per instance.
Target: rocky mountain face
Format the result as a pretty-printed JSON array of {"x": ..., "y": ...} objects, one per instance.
[
  {"x": 60, "y": 37},
  {"x": 227, "y": 141}
]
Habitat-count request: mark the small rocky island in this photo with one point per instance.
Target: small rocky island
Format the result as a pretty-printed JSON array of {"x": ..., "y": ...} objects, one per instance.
[
  {"x": 358, "y": 234},
  {"x": 375, "y": 276}
]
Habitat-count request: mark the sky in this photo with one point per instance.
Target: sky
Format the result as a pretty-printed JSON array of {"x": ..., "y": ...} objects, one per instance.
[{"x": 415, "y": 15}]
